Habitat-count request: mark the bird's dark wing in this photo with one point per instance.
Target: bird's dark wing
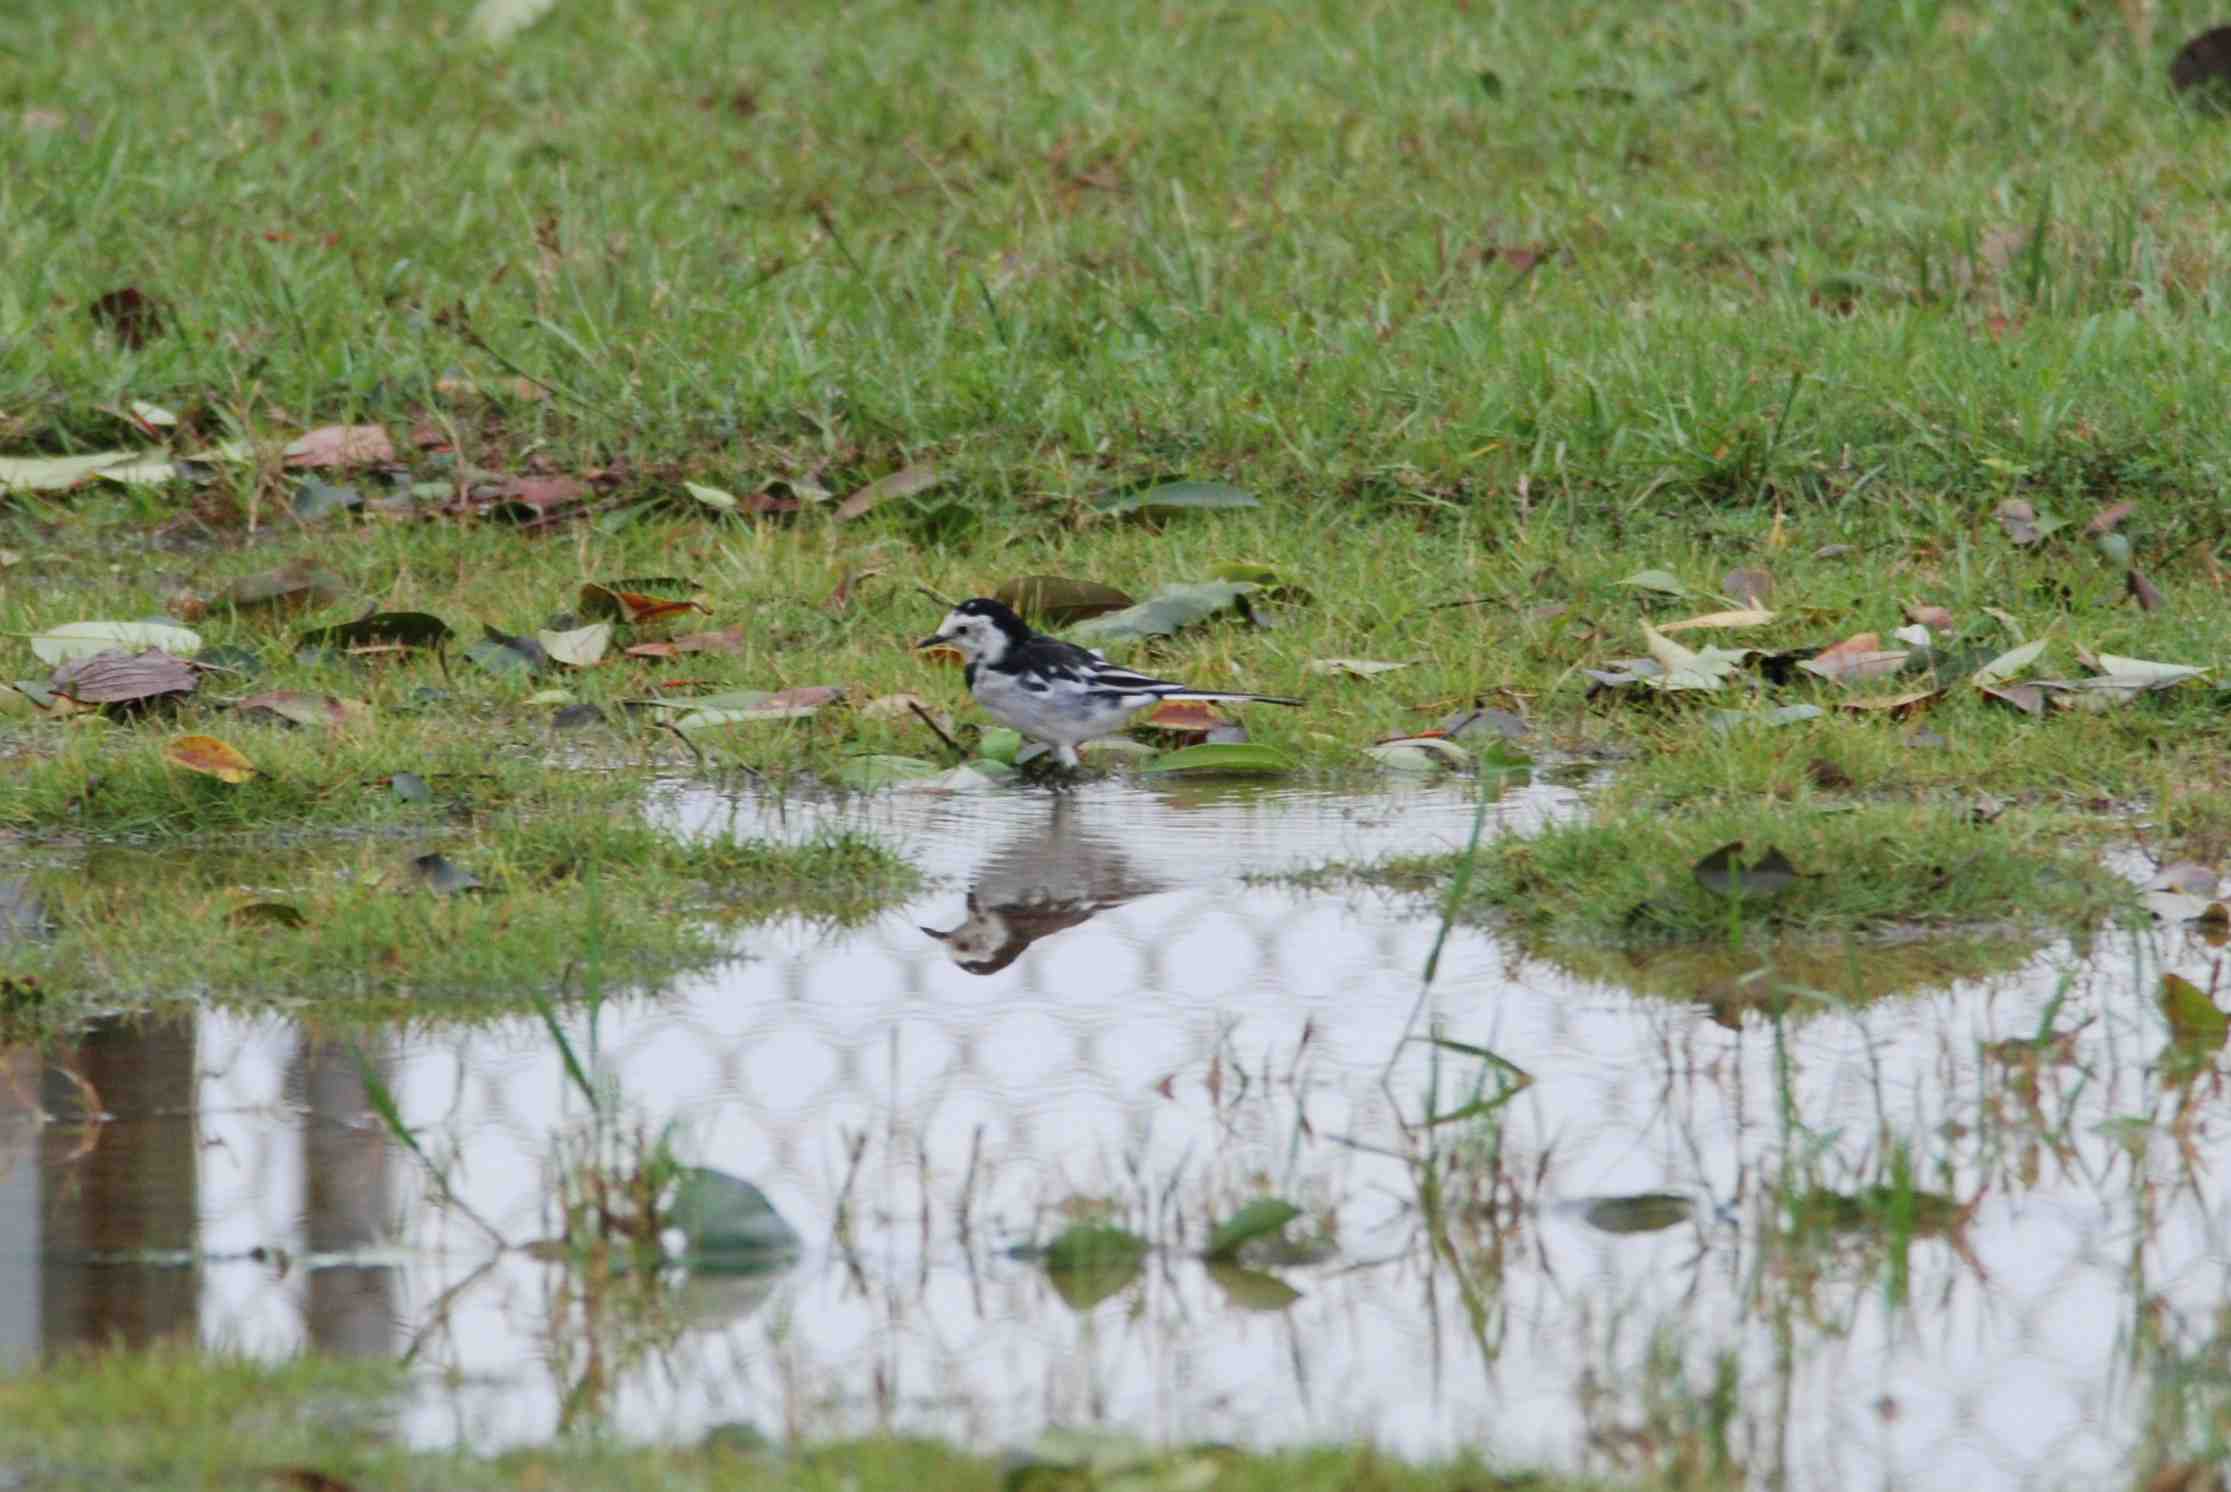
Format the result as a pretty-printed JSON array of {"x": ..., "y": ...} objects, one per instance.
[{"x": 1072, "y": 664}]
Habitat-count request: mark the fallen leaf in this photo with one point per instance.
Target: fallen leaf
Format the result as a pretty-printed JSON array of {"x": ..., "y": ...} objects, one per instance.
[
  {"x": 2009, "y": 663},
  {"x": 60, "y": 473},
  {"x": 726, "y": 640},
  {"x": 288, "y": 588},
  {"x": 905, "y": 482},
  {"x": 616, "y": 600},
  {"x": 1188, "y": 715},
  {"x": 58, "y": 645},
  {"x": 1419, "y": 754},
  {"x": 342, "y": 445},
  {"x": 381, "y": 630},
  {"x": 1174, "y": 497},
  {"x": 1897, "y": 706},
  {"x": 2023, "y": 524},
  {"x": 1724, "y": 875},
  {"x": 1861, "y": 656},
  {"x": 1246, "y": 757},
  {"x": 578, "y": 647},
  {"x": 498, "y": 21},
  {"x": 2142, "y": 591},
  {"x": 304, "y": 708},
  {"x": 1753, "y": 587},
  {"x": 2106, "y": 518},
  {"x": 208, "y": 756},
  {"x": 1659, "y": 582},
  {"x": 1683, "y": 669},
  {"x": 131, "y": 314},
  {"x": 2027, "y": 698},
  {"x": 2194, "y": 1019},
  {"x": 443, "y": 876},
  {"x": 1166, "y": 611},
  {"x": 1750, "y": 616},
  {"x": 1056, "y": 601},
  {"x": 1927, "y": 615},
  {"x": 1355, "y": 668},
  {"x": 114, "y": 677}
]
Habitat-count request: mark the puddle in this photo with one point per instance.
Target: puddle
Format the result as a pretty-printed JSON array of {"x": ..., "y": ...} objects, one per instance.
[{"x": 1103, "y": 1011}]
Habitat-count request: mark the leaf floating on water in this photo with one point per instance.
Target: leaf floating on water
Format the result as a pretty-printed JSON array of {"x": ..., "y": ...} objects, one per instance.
[
  {"x": 1645, "y": 1212},
  {"x": 210, "y": 757},
  {"x": 727, "y": 1221},
  {"x": 1723, "y": 874},
  {"x": 59, "y": 645},
  {"x": 867, "y": 773},
  {"x": 1244, "y": 756},
  {"x": 1419, "y": 754},
  {"x": 1261, "y": 1218},
  {"x": 1055, "y": 601},
  {"x": 1252, "y": 1289},
  {"x": 2194, "y": 1020}
]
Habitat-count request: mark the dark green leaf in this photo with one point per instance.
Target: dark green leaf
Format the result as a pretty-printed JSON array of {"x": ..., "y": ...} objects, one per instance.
[
  {"x": 1723, "y": 874},
  {"x": 1646, "y": 1212},
  {"x": 410, "y": 629},
  {"x": 1242, "y": 756},
  {"x": 727, "y": 1220},
  {"x": 1054, "y": 601},
  {"x": 1168, "y": 610}
]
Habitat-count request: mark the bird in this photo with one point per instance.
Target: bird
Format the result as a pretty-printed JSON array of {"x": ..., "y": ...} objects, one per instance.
[
  {"x": 1040, "y": 882},
  {"x": 1052, "y": 691}
]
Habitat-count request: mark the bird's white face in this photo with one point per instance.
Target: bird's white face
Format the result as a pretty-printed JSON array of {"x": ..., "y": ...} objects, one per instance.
[{"x": 978, "y": 638}]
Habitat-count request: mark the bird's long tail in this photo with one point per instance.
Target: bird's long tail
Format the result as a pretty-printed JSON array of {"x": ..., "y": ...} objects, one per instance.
[{"x": 1233, "y": 697}]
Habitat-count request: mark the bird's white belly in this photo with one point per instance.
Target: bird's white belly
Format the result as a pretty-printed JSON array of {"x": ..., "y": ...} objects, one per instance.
[{"x": 1062, "y": 715}]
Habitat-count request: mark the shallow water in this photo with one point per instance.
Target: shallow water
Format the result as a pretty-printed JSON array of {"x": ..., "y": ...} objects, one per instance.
[{"x": 1106, "y": 1011}]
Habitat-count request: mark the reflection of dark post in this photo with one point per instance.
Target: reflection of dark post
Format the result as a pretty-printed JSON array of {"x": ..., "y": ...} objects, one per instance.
[
  {"x": 121, "y": 1187},
  {"x": 20, "y": 1244},
  {"x": 346, "y": 1201}
]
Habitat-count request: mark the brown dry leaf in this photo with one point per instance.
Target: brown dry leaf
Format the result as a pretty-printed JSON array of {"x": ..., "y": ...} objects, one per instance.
[
  {"x": 905, "y": 482},
  {"x": 523, "y": 499},
  {"x": 2143, "y": 592},
  {"x": 599, "y": 601},
  {"x": 2104, "y": 521},
  {"x": 131, "y": 313},
  {"x": 804, "y": 697},
  {"x": 1185, "y": 715},
  {"x": 208, "y": 756},
  {"x": 902, "y": 707},
  {"x": 342, "y": 445},
  {"x": 841, "y": 597},
  {"x": 289, "y": 588},
  {"x": 305, "y": 708},
  {"x": 2027, "y": 698},
  {"x": 1928, "y": 615},
  {"x": 1858, "y": 657},
  {"x": 726, "y": 640},
  {"x": 943, "y": 656},
  {"x": 1750, "y": 616},
  {"x": 115, "y": 677},
  {"x": 2019, "y": 520},
  {"x": 1897, "y": 706},
  {"x": 1752, "y": 586}
]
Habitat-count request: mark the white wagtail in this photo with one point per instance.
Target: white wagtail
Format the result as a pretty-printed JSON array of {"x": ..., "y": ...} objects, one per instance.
[{"x": 1054, "y": 691}]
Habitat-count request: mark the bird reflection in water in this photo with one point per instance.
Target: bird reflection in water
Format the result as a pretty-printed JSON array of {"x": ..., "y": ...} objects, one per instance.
[{"x": 1040, "y": 882}]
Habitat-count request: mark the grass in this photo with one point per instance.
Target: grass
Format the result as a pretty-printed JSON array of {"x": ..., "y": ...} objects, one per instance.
[
  {"x": 351, "y": 927},
  {"x": 166, "y": 1418}
]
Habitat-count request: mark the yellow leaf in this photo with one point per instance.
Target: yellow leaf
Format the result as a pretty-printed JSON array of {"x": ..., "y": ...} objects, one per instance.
[
  {"x": 1749, "y": 616},
  {"x": 210, "y": 757}
]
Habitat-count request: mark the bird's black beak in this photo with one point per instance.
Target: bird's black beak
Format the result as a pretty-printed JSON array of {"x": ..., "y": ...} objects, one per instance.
[
  {"x": 933, "y": 932},
  {"x": 937, "y": 639}
]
